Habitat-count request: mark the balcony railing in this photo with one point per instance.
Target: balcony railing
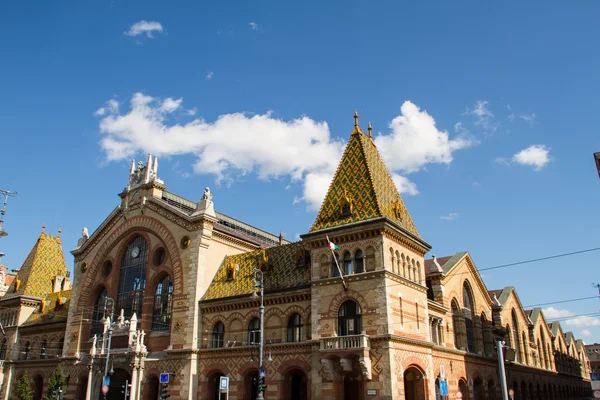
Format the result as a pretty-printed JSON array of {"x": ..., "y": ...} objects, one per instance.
[{"x": 345, "y": 342}]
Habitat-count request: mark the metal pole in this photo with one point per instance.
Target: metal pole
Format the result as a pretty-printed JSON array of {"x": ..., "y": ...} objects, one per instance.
[
  {"x": 499, "y": 346},
  {"x": 261, "y": 345}
]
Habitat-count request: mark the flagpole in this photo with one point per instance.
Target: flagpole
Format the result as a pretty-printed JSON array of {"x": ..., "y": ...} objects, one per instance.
[{"x": 337, "y": 264}]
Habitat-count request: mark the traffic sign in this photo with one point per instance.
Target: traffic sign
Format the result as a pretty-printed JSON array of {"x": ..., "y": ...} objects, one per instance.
[
  {"x": 262, "y": 373},
  {"x": 458, "y": 395},
  {"x": 106, "y": 380},
  {"x": 224, "y": 383},
  {"x": 444, "y": 387},
  {"x": 596, "y": 394},
  {"x": 594, "y": 376},
  {"x": 104, "y": 389},
  {"x": 164, "y": 377}
]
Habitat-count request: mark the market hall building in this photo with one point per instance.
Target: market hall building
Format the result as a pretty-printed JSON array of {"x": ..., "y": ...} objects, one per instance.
[{"x": 178, "y": 281}]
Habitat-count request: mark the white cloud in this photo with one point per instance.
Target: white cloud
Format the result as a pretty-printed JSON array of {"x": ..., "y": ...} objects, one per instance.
[
  {"x": 191, "y": 111},
  {"x": 582, "y": 321},
  {"x": 415, "y": 141},
  {"x": 528, "y": 118},
  {"x": 254, "y": 26},
  {"x": 536, "y": 156},
  {"x": 112, "y": 106},
  {"x": 553, "y": 313},
  {"x": 476, "y": 184},
  {"x": 240, "y": 143},
  {"x": 450, "y": 217},
  {"x": 209, "y": 75},
  {"x": 484, "y": 118},
  {"x": 586, "y": 332},
  {"x": 145, "y": 27}
]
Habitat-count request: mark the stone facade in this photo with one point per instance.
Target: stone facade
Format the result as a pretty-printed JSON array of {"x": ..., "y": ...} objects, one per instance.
[{"x": 389, "y": 326}]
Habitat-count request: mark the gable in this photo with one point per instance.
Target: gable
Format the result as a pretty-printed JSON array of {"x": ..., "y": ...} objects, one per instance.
[{"x": 464, "y": 271}]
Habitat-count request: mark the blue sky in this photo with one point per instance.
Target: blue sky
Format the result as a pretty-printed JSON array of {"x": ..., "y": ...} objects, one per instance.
[{"x": 486, "y": 115}]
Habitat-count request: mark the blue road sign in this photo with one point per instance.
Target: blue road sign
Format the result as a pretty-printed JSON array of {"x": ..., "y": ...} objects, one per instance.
[
  {"x": 164, "y": 377},
  {"x": 106, "y": 380},
  {"x": 594, "y": 376},
  {"x": 224, "y": 383},
  {"x": 444, "y": 387},
  {"x": 262, "y": 372}
]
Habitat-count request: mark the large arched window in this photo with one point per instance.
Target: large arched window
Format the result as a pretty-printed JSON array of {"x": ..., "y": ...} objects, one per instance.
[
  {"x": 132, "y": 281},
  {"x": 517, "y": 339},
  {"x": 98, "y": 313},
  {"x": 218, "y": 335},
  {"x": 349, "y": 319},
  {"x": 456, "y": 325},
  {"x": 163, "y": 299},
  {"x": 469, "y": 310},
  {"x": 254, "y": 331},
  {"x": 359, "y": 260},
  {"x": 294, "y": 328}
]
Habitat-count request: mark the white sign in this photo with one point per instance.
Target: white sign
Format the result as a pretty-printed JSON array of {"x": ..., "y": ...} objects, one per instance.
[
  {"x": 597, "y": 394},
  {"x": 458, "y": 395},
  {"x": 224, "y": 384}
]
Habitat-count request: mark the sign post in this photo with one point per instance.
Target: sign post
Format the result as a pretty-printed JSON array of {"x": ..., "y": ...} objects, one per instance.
[{"x": 224, "y": 387}]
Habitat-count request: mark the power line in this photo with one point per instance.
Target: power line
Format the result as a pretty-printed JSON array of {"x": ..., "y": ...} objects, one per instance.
[
  {"x": 561, "y": 301},
  {"x": 541, "y": 259}
]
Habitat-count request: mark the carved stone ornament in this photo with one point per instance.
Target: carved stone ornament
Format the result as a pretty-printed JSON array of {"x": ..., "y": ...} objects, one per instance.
[
  {"x": 207, "y": 195},
  {"x": 185, "y": 242},
  {"x": 262, "y": 260},
  {"x": 346, "y": 204},
  {"x": 178, "y": 326},
  {"x": 84, "y": 266},
  {"x": 398, "y": 210}
]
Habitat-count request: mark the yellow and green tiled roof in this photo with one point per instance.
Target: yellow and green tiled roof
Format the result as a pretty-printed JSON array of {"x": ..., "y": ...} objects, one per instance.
[
  {"x": 55, "y": 309},
  {"x": 363, "y": 176},
  {"x": 44, "y": 262},
  {"x": 283, "y": 271}
]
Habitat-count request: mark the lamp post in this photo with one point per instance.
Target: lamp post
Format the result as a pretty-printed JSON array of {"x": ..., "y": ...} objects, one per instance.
[
  {"x": 259, "y": 284},
  {"x": 6, "y": 194},
  {"x": 109, "y": 329}
]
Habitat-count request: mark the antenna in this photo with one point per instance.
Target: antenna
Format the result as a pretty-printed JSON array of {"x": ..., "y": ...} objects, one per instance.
[{"x": 6, "y": 194}]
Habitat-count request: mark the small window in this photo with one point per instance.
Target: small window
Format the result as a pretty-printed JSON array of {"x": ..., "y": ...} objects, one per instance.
[
  {"x": 294, "y": 328},
  {"x": 3, "y": 350},
  {"x": 218, "y": 335},
  {"x": 61, "y": 345},
  {"x": 106, "y": 268},
  {"x": 159, "y": 256},
  {"x": 347, "y": 264},
  {"x": 43, "y": 350},
  {"x": 254, "y": 331},
  {"x": 359, "y": 259},
  {"x": 349, "y": 319}
]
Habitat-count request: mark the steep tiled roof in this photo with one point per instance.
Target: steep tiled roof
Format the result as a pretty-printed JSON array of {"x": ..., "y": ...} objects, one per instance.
[
  {"x": 56, "y": 309},
  {"x": 282, "y": 272},
  {"x": 362, "y": 178},
  {"x": 44, "y": 262}
]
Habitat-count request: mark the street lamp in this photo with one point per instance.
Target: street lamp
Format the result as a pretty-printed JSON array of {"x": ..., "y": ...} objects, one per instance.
[
  {"x": 259, "y": 284},
  {"x": 6, "y": 194},
  {"x": 109, "y": 329}
]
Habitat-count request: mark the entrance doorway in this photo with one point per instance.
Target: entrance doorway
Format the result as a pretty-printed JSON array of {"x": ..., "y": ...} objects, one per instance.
[
  {"x": 352, "y": 388},
  {"x": 117, "y": 381},
  {"x": 151, "y": 388},
  {"x": 251, "y": 385},
  {"x": 295, "y": 385},
  {"x": 213, "y": 385},
  {"x": 414, "y": 385},
  {"x": 38, "y": 387}
]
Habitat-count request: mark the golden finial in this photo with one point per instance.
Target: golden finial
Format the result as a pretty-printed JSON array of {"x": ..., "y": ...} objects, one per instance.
[
  {"x": 43, "y": 227},
  {"x": 370, "y": 130},
  {"x": 59, "y": 231},
  {"x": 356, "y": 118}
]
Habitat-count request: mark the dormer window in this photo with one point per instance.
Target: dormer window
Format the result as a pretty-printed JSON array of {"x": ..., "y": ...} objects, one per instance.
[{"x": 230, "y": 272}]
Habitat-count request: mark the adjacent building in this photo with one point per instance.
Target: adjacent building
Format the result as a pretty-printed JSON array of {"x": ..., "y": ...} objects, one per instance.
[{"x": 173, "y": 282}]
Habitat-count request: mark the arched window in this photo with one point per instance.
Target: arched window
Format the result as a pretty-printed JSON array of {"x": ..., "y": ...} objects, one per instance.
[
  {"x": 163, "y": 299},
  {"x": 132, "y": 280},
  {"x": 218, "y": 335},
  {"x": 469, "y": 316},
  {"x": 524, "y": 340},
  {"x": 347, "y": 264},
  {"x": 349, "y": 319},
  {"x": 334, "y": 267},
  {"x": 394, "y": 259},
  {"x": 517, "y": 339},
  {"x": 3, "y": 350},
  {"x": 26, "y": 352},
  {"x": 294, "y": 328},
  {"x": 43, "y": 350},
  {"x": 61, "y": 345},
  {"x": 254, "y": 331},
  {"x": 456, "y": 323},
  {"x": 98, "y": 313},
  {"x": 359, "y": 260},
  {"x": 484, "y": 336}
]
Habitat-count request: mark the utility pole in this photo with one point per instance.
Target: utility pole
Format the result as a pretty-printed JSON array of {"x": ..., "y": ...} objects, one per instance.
[
  {"x": 109, "y": 329},
  {"x": 259, "y": 284},
  {"x": 500, "y": 351}
]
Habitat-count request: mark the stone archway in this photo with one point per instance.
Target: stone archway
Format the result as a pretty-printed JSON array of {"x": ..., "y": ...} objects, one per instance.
[
  {"x": 295, "y": 385},
  {"x": 464, "y": 389},
  {"x": 82, "y": 386},
  {"x": 251, "y": 385},
  {"x": 117, "y": 380},
  {"x": 151, "y": 388},
  {"x": 478, "y": 390},
  {"x": 212, "y": 385},
  {"x": 414, "y": 384}
]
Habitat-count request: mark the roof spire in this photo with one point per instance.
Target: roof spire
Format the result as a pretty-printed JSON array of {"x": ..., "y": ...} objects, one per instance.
[
  {"x": 356, "y": 118},
  {"x": 370, "y": 131},
  {"x": 59, "y": 231},
  {"x": 43, "y": 228}
]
